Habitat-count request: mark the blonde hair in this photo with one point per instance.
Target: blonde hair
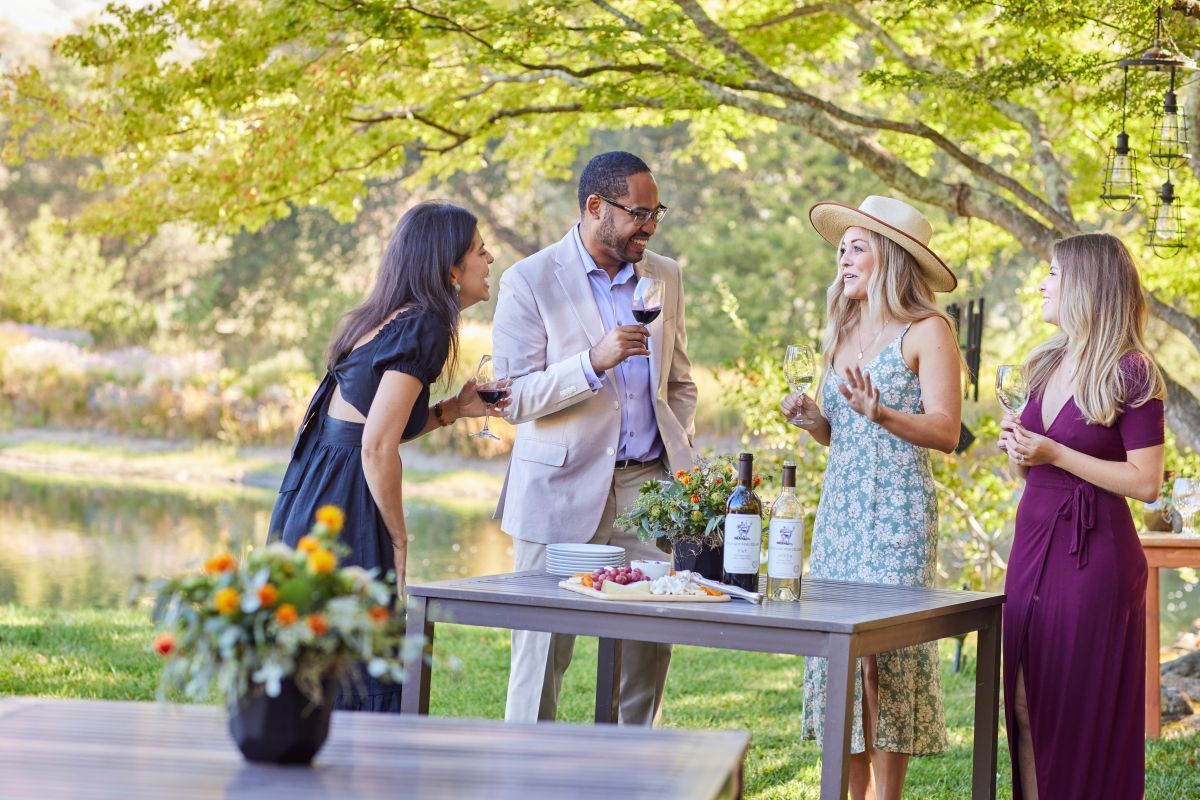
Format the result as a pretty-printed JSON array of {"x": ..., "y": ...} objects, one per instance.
[
  {"x": 897, "y": 289},
  {"x": 1102, "y": 317}
]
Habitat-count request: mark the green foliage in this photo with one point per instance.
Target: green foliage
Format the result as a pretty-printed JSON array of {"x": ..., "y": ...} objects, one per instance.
[{"x": 61, "y": 279}]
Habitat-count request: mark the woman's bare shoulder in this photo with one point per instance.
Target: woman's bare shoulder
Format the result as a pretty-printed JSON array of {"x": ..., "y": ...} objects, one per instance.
[{"x": 932, "y": 331}]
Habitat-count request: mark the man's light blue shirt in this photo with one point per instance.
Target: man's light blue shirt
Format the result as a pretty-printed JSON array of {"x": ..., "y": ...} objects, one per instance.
[{"x": 614, "y": 299}]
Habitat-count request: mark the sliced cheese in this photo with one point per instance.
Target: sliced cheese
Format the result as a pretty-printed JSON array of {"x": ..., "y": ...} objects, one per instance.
[{"x": 641, "y": 587}]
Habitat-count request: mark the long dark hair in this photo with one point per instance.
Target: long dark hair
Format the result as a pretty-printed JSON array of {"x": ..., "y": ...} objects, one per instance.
[{"x": 429, "y": 239}]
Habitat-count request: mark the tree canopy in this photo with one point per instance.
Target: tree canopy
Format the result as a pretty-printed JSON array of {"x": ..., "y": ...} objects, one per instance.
[{"x": 228, "y": 114}]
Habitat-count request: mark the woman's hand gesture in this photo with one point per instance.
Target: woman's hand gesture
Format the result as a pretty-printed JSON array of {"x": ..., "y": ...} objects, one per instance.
[{"x": 860, "y": 394}]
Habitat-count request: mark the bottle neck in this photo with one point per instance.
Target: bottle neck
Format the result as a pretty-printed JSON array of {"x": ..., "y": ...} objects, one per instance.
[
  {"x": 746, "y": 473},
  {"x": 788, "y": 491}
]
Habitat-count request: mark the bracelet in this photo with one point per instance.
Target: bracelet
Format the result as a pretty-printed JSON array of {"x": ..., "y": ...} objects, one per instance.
[{"x": 439, "y": 414}]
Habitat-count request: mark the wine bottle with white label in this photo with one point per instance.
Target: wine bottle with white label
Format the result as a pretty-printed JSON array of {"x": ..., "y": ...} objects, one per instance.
[
  {"x": 785, "y": 541},
  {"x": 743, "y": 530}
]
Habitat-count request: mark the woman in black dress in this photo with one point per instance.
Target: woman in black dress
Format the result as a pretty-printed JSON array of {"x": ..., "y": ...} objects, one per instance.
[{"x": 375, "y": 395}]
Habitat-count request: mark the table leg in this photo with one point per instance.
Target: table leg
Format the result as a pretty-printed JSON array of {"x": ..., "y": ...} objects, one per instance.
[
  {"x": 987, "y": 705},
  {"x": 608, "y": 680},
  {"x": 1153, "y": 686},
  {"x": 839, "y": 707},
  {"x": 418, "y": 638}
]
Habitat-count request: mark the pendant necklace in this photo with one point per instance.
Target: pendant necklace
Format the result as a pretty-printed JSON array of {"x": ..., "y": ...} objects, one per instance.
[{"x": 862, "y": 349}]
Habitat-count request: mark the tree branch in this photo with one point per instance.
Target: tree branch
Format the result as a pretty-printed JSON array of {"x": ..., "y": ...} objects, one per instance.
[
  {"x": 1058, "y": 211},
  {"x": 1035, "y": 236},
  {"x": 799, "y": 13},
  {"x": 1182, "y": 412},
  {"x": 1181, "y": 321}
]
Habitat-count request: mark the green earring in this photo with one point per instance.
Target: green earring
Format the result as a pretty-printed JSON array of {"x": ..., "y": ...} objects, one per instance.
[{"x": 457, "y": 288}]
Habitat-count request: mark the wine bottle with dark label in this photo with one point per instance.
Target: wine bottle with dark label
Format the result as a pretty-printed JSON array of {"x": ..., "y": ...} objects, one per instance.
[
  {"x": 743, "y": 530},
  {"x": 785, "y": 541}
]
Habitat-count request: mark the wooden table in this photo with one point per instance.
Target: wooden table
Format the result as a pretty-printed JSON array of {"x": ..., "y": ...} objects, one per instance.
[
  {"x": 833, "y": 620},
  {"x": 1166, "y": 550},
  {"x": 84, "y": 749}
]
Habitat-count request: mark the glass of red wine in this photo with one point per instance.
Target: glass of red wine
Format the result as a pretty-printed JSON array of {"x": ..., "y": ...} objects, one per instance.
[
  {"x": 489, "y": 378},
  {"x": 647, "y": 300}
]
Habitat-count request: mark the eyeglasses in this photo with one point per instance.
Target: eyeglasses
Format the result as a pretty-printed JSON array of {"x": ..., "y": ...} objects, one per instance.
[{"x": 640, "y": 215}]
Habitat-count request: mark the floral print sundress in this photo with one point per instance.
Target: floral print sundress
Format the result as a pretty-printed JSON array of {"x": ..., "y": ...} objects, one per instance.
[{"x": 877, "y": 522}]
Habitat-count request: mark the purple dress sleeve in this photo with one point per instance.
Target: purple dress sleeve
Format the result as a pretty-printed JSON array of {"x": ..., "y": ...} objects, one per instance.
[{"x": 1139, "y": 425}]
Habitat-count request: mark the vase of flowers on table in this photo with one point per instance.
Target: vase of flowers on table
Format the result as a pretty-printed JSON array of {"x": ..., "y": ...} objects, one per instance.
[
  {"x": 688, "y": 511},
  {"x": 274, "y": 633}
]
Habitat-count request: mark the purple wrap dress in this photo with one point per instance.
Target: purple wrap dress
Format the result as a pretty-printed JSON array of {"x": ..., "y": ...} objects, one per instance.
[{"x": 1075, "y": 616}]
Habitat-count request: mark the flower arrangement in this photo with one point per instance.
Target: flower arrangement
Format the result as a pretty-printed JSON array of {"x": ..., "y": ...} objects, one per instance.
[
  {"x": 280, "y": 613},
  {"x": 691, "y": 506}
]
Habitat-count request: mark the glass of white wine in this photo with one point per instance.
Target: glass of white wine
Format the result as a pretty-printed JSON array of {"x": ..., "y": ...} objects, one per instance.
[
  {"x": 1011, "y": 389},
  {"x": 799, "y": 368},
  {"x": 1186, "y": 493}
]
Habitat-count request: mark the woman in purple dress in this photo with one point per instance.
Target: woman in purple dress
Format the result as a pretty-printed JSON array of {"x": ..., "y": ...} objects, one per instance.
[{"x": 1074, "y": 624}]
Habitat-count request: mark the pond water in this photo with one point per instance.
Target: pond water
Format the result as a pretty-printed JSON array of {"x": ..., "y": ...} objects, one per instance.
[{"x": 67, "y": 544}]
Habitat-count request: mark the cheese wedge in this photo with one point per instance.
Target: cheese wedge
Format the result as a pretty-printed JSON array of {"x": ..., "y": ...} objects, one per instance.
[{"x": 641, "y": 587}]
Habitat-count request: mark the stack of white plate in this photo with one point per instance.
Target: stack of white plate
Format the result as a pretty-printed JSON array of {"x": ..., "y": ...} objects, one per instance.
[{"x": 568, "y": 559}]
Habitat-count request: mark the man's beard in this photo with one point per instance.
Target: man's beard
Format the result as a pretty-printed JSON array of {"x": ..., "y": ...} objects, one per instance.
[{"x": 608, "y": 236}]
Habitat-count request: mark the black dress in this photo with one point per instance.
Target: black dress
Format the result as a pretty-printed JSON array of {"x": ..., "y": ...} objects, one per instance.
[{"x": 326, "y": 465}]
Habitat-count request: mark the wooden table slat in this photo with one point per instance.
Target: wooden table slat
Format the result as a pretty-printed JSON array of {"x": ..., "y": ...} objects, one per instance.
[{"x": 96, "y": 749}]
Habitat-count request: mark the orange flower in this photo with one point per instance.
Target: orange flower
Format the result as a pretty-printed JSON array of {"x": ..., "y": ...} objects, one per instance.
[
  {"x": 308, "y": 544},
  {"x": 695, "y": 498},
  {"x": 286, "y": 614},
  {"x": 164, "y": 644},
  {"x": 757, "y": 480},
  {"x": 218, "y": 564},
  {"x": 321, "y": 562},
  {"x": 695, "y": 469},
  {"x": 331, "y": 517},
  {"x": 381, "y": 614},
  {"x": 718, "y": 481},
  {"x": 318, "y": 625},
  {"x": 227, "y": 600},
  {"x": 686, "y": 480},
  {"x": 267, "y": 595},
  {"x": 681, "y": 473}
]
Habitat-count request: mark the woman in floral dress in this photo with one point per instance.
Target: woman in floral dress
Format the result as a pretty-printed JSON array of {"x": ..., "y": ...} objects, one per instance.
[{"x": 890, "y": 390}]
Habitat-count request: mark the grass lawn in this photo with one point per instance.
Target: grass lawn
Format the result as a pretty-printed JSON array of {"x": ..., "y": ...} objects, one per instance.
[{"x": 105, "y": 655}]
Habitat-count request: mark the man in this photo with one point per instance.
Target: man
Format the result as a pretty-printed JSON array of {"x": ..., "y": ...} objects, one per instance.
[{"x": 595, "y": 417}]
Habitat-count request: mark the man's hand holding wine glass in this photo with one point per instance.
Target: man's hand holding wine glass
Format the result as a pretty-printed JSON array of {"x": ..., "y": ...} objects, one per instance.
[{"x": 618, "y": 344}]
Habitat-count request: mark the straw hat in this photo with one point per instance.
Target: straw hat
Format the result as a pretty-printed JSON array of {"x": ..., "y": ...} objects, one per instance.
[{"x": 888, "y": 217}]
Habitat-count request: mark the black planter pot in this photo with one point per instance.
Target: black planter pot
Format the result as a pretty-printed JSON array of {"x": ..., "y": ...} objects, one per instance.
[
  {"x": 699, "y": 558},
  {"x": 288, "y": 729}
]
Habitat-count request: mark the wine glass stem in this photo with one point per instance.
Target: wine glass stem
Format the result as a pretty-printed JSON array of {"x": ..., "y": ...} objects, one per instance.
[{"x": 486, "y": 416}]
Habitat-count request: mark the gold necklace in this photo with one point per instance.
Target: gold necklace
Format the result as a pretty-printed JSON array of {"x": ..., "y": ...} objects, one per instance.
[{"x": 862, "y": 349}]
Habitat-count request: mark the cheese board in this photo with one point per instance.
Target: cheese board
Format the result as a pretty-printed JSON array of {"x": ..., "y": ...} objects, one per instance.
[{"x": 642, "y": 598}]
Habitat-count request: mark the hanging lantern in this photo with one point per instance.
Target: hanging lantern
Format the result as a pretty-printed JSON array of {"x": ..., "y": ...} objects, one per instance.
[
  {"x": 1170, "y": 145},
  {"x": 1164, "y": 234},
  {"x": 1121, "y": 189}
]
